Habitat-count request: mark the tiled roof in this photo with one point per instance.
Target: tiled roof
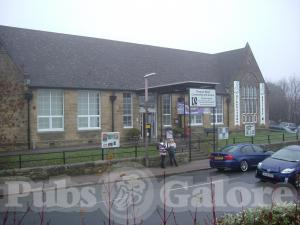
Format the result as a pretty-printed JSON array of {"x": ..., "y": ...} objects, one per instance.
[{"x": 68, "y": 61}]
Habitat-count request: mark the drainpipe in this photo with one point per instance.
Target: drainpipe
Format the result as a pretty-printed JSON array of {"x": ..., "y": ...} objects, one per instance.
[
  {"x": 28, "y": 97},
  {"x": 112, "y": 98},
  {"x": 228, "y": 99}
]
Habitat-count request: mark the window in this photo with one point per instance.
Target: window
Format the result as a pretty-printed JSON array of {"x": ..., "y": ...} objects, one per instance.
[
  {"x": 218, "y": 111},
  {"x": 258, "y": 149},
  {"x": 196, "y": 120},
  {"x": 50, "y": 104},
  {"x": 247, "y": 150},
  {"x": 249, "y": 104},
  {"x": 166, "y": 110},
  {"x": 127, "y": 110},
  {"x": 88, "y": 109}
]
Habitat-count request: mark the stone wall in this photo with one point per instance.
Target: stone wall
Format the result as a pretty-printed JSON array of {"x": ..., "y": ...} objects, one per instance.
[
  {"x": 71, "y": 136},
  {"x": 13, "y": 107},
  {"x": 86, "y": 168}
]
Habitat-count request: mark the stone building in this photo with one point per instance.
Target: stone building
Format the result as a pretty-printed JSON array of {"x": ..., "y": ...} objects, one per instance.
[{"x": 72, "y": 88}]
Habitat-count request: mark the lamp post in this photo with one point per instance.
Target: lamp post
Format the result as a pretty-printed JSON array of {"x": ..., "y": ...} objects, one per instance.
[{"x": 146, "y": 119}]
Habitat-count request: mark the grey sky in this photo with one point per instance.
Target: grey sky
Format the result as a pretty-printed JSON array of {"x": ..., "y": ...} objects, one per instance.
[{"x": 272, "y": 27}]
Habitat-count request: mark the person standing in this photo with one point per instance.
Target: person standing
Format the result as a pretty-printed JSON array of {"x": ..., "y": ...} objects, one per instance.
[
  {"x": 163, "y": 152},
  {"x": 171, "y": 146}
]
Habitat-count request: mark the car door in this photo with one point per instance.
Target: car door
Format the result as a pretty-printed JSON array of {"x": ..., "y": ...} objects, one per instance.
[
  {"x": 259, "y": 153},
  {"x": 249, "y": 155}
]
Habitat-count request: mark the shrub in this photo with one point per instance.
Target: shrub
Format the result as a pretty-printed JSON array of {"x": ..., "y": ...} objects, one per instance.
[
  {"x": 177, "y": 131},
  {"x": 283, "y": 214},
  {"x": 133, "y": 133}
]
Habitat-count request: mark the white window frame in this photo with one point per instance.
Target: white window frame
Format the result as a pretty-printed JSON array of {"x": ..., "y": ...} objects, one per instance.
[
  {"x": 131, "y": 109},
  {"x": 218, "y": 113},
  {"x": 167, "y": 114},
  {"x": 193, "y": 118},
  {"x": 249, "y": 104},
  {"x": 50, "y": 129},
  {"x": 89, "y": 116}
]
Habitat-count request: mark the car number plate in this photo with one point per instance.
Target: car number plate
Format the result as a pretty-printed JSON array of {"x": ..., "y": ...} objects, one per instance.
[
  {"x": 267, "y": 174},
  {"x": 219, "y": 158}
]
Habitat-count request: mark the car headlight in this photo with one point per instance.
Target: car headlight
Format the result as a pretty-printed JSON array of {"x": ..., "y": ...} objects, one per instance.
[
  {"x": 288, "y": 170},
  {"x": 259, "y": 165}
]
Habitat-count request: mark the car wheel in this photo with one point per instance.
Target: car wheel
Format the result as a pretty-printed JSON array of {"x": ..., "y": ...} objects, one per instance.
[{"x": 244, "y": 166}]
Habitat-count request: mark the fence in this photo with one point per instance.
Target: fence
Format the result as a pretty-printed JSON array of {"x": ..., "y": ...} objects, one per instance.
[{"x": 130, "y": 150}]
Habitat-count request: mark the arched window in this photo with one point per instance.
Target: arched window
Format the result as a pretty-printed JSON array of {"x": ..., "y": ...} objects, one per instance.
[{"x": 249, "y": 104}]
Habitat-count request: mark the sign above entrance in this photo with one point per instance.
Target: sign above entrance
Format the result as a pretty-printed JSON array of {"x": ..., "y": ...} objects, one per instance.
[{"x": 203, "y": 97}]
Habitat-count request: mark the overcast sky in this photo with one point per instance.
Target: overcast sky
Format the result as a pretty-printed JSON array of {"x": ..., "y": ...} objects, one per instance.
[{"x": 271, "y": 27}]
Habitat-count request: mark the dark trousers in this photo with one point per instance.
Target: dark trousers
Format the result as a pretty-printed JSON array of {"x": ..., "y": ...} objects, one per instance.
[
  {"x": 172, "y": 158},
  {"x": 162, "y": 161}
]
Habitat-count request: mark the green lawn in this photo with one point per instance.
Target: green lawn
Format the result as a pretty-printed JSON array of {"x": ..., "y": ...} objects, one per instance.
[
  {"x": 57, "y": 158},
  {"x": 261, "y": 137}
]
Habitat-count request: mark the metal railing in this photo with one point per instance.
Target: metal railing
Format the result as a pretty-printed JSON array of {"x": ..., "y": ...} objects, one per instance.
[{"x": 132, "y": 149}]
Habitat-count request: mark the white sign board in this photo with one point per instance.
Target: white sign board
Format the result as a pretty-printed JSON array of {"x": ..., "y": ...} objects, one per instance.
[
  {"x": 110, "y": 139},
  {"x": 262, "y": 103},
  {"x": 236, "y": 94},
  {"x": 223, "y": 133},
  {"x": 249, "y": 130},
  {"x": 203, "y": 97}
]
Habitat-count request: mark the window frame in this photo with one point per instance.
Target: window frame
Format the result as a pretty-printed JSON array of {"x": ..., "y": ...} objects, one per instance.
[
  {"x": 249, "y": 104},
  {"x": 88, "y": 115},
  {"x": 50, "y": 117},
  {"x": 218, "y": 113},
  {"x": 167, "y": 114},
  {"x": 192, "y": 120},
  {"x": 131, "y": 109}
]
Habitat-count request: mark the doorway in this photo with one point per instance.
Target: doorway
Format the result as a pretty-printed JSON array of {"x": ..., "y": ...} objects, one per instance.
[{"x": 151, "y": 121}]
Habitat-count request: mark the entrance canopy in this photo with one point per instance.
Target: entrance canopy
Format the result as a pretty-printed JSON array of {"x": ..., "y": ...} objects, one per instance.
[{"x": 180, "y": 87}]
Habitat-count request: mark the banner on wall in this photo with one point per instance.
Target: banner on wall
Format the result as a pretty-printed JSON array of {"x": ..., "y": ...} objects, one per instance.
[
  {"x": 262, "y": 103},
  {"x": 194, "y": 110},
  {"x": 236, "y": 94}
]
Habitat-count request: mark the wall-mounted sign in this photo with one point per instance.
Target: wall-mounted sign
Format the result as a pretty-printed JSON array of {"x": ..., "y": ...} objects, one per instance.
[
  {"x": 203, "y": 97},
  {"x": 262, "y": 108},
  {"x": 196, "y": 110},
  {"x": 223, "y": 133},
  {"x": 110, "y": 139},
  {"x": 249, "y": 130},
  {"x": 236, "y": 94}
]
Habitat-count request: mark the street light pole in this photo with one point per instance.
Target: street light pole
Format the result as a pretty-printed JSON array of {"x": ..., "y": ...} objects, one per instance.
[{"x": 146, "y": 119}]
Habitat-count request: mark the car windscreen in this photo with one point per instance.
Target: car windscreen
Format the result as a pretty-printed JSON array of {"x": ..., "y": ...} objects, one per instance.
[
  {"x": 287, "y": 155},
  {"x": 229, "y": 149}
]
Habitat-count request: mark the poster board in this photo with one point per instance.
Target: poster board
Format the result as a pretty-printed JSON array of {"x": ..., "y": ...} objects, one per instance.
[
  {"x": 203, "y": 97},
  {"x": 249, "y": 130},
  {"x": 110, "y": 139},
  {"x": 223, "y": 133}
]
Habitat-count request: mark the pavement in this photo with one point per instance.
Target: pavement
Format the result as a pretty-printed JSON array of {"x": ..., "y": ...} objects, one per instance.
[
  {"x": 119, "y": 174},
  {"x": 144, "y": 172}
]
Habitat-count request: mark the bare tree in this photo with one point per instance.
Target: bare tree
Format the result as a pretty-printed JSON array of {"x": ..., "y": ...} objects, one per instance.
[
  {"x": 291, "y": 90},
  {"x": 277, "y": 102}
]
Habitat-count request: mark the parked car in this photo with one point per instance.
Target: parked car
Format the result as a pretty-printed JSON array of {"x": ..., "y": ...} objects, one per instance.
[
  {"x": 291, "y": 126},
  {"x": 282, "y": 166},
  {"x": 298, "y": 129},
  {"x": 280, "y": 128},
  {"x": 238, "y": 156}
]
